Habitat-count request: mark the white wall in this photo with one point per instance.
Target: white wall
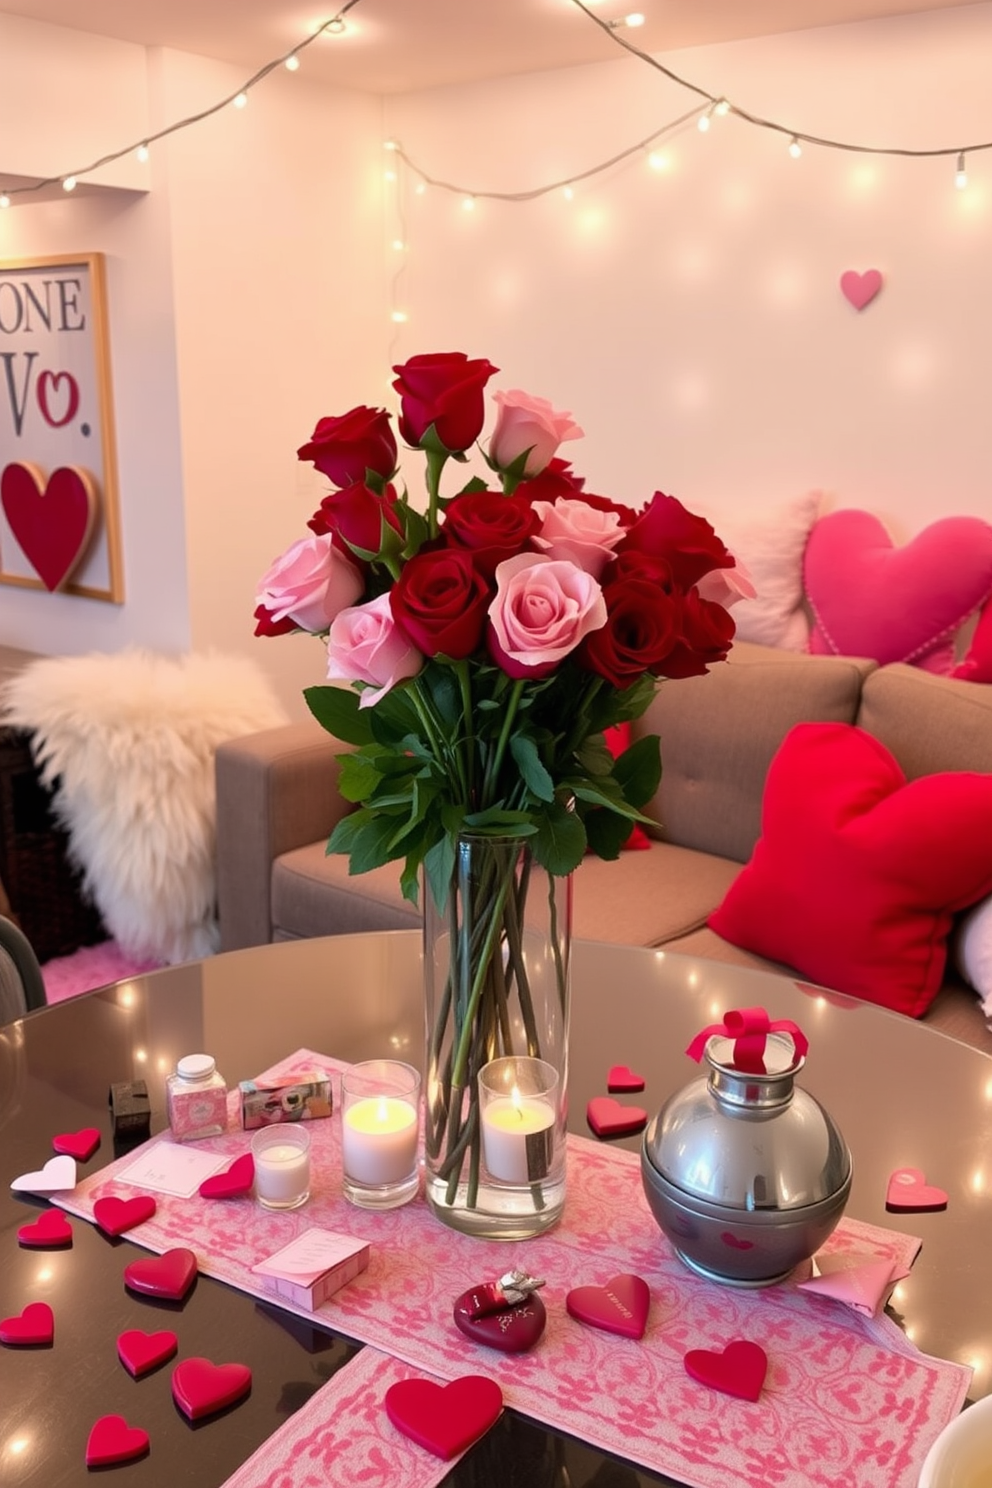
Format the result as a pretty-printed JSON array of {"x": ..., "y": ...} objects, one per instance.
[{"x": 692, "y": 319}]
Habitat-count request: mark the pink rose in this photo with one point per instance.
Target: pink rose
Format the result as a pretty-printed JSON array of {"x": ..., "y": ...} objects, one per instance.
[
  {"x": 572, "y": 529},
  {"x": 309, "y": 584},
  {"x": 528, "y": 423},
  {"x": 366, "y": 645},
  {"x": 542, "y": 610},
  {"x": 725, "y": 586}
]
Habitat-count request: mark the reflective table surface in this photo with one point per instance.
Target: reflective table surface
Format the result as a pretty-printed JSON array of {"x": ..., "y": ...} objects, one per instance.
[{"x": 903, "y": 1096}]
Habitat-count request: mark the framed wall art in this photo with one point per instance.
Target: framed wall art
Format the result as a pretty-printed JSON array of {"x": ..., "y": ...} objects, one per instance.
[{"x": 59, "y": 521}]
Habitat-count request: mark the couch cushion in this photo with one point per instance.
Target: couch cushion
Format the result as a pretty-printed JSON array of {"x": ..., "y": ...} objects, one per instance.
[
  {"x": 929, "y": 723},
  {"x": 858, "y": 874},
  {"x": 719, "y": 734},
  {"x": 313, "y": 894}
]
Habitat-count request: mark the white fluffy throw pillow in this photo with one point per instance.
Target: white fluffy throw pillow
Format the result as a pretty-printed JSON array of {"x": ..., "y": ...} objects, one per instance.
[
  {"x": 771, "y": 547},
  {"x": 973, "y": 951},
  {"x": 128, "y": 742}
]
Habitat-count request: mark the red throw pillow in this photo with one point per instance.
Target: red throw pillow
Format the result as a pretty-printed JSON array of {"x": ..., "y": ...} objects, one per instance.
[
  {"x": 617, "y": 740},
  {"x": 857, "y": 873}
]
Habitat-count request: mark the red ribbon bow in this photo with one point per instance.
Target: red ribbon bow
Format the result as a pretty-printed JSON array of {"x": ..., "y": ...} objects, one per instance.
[{"x": 749, "y": 1028}]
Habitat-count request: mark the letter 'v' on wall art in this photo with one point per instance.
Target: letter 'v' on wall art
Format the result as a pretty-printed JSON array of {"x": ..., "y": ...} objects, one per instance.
[{"x": 59, "y": 522}]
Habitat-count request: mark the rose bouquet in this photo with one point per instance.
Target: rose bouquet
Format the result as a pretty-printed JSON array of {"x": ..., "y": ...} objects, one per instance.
[{"x": 486, "y": 641}]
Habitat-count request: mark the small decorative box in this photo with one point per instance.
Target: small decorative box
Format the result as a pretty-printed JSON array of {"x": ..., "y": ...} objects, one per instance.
[
  {"x": 313, "y": 1267},
  {"x": 131, "y": 1111},
  {"x": 265, "y": 1102}
]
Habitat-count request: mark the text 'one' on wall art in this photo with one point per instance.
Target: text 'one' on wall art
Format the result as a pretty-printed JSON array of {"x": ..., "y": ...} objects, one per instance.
[{"x": 59, "y": 523}]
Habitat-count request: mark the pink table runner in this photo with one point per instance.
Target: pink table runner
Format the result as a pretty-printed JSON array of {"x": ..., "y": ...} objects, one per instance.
[{"x": 847, "y": 1400}]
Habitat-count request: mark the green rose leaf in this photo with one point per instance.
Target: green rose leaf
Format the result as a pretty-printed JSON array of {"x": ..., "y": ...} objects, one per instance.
[
  {"x": 535, "y": 776},
  {"x": 638, "y": 770},
  {"x": 560, "y": 842},
  {"x": 336, "y": 710}
]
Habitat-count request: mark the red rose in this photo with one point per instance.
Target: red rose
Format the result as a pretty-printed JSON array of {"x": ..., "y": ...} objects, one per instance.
[
  {"x": 556, "y": 479},
  {"x": 642, "y": 627},
  {"x": 491, "y": 526},
  {"x": 268, "y": 627},
  {"x": 355, "y": 517},
  {"x": 440, "y": 601},
  {"x": 641, "y": 566},
  {"x": 707, "y": 631},
  {"x": 344, "y": 448},
  {"x": 444, "y": 389},
  {"x": 665, "y": 529}
]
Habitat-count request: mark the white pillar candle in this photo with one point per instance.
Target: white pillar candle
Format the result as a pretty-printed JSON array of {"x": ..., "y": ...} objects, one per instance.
[
  {"x": 379, "y": 1140},
  {"x": 518, "y": 1137},
  {"x": 282, "y": 1173}
]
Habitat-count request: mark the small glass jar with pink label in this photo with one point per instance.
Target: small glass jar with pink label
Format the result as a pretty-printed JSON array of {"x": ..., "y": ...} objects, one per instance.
[{"x": 196, "y": 1099}]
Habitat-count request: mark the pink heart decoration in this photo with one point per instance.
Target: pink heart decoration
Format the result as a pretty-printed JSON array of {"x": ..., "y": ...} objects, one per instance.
[
  {"x": 53, "y": 523},
  {"x": 115, "y": 1215},
  {"x": 621, "y": 1080},
  {"x": 739, "y": 1370},
  {"x": 860, "y": 289},
  {"x": 79, "y": 1144},
  {"x": 621, "y": 1306},
  {"x": 139, "y": 1351},
  {"x": 199, "y": 1387},
  {"x": 170, "y": 1275},
  {"x": 233, "y": 1182},
  {"x": 893, "y": 604},
  {"x": 446, "y": 1419},
  {"x": 57, "y": 1174},
  {"x": 908, "y": 1190},
  {"x": 36, "y": 1324},
  {"x": 113, "y": 1440},
  {"x": 50, "y": 1228},
  {"x": 608, "y": 1118},
  {"x": 511, "y": 1331}
]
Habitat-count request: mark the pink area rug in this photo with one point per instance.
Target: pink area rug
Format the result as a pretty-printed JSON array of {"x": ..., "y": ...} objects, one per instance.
[{"x": 90, "y": 967}]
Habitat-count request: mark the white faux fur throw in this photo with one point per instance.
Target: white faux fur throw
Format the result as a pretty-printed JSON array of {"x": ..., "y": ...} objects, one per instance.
[{"x": 128, "y": 741}]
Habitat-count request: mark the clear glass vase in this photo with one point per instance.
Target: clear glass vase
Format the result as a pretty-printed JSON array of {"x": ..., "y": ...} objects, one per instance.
[{"x": 496, "y": 974}]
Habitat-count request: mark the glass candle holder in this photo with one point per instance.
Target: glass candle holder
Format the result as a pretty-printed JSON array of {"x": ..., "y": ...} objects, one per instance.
[
  {"x": 380, "y": 1126},
  {"x": 518, "y": 1110},
  {"x": 282, "y": 1166}
]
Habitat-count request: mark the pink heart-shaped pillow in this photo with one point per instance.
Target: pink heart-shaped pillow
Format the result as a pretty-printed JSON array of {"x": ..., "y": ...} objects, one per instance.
[{"x": 872, "y": 599}]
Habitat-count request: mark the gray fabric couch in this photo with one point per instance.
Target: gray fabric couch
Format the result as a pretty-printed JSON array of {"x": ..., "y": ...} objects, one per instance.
[{"x": 277, "y": 803}]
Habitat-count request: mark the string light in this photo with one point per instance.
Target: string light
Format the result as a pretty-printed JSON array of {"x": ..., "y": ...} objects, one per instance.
[
  {"x": 399, "y": 316},
  {"x": 292, "y": 63},
  {"x": 69, "y": 183},
  {"x": 142, "y": 152},
  {"x": 703, "y": 123},
  {"x": 4, "y": 199},
  {"x": 567, "y": 193},
  {"x": 795, "y": 148},
  {"x": 335, "y": 27},
  {"x": 468, "y": 203},
  {"x": 721, "y": 107},
  {"x": 240, "y": 100},
  {"x": 961, "y": 175}
]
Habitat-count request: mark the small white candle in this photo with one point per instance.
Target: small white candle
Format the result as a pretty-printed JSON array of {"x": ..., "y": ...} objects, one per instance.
[
  {"x": 517, "y": 1137},
  {"x": 282, "y": 1173},
  {"x": 379, "y": 1140}
]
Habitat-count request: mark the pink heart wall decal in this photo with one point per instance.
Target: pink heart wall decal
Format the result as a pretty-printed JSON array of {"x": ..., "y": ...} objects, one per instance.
[
  {"x": 870, "y": 598},
  {"x": 860, "y": 289},
  {"x": 52, "y": 522}
]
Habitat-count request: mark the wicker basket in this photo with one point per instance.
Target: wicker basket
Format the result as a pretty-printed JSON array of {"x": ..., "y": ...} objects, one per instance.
[{"x": 43, "y": 887}]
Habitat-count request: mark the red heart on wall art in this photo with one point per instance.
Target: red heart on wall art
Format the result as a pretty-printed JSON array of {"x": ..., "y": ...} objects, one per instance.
[
  {"x": 860, "y": 289},
  {"x": 52, "y": 522}
]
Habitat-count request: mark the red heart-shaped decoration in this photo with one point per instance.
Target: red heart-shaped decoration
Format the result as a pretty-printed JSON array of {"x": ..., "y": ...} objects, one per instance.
[
  {"x": 233, "y": 1182},
  {"x": 170, "y": 1275},
  {"x": 36, "y": 1324},
  {"x": 621, "y": 1080},
  {"x": 446, "y": 1419},
  {"x": 52, "y": 523},
  {"x": 860, "y": 289},
  {"x": 50, "y": 1228},
  {"x": 740, "y": 1370},
  {"x": 115, "y": 1215},
  {"x": 909, "y": 1190},
  {"x": 199, "y": 1388},
  {"x": 735, "y": 1241},
  {"x": 79, "y": 1144},
  {"x": 139, "y": 1351},
  {"x": 113, "y": 1440},
  {"x": 511, "y": 1331},
  {"x": 608, "y": 1118},
  {"x": 621, "y": 1306}
]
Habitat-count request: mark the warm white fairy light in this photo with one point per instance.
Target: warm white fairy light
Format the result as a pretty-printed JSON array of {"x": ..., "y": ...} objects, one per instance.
[
  {"x": 399, "y": 317},
  {"x": 468, "y": 203},
  {"x": 721, "y": 107},
  {"x": 703, "y": 122},
  {"x": 4, "y": 199},
  {"x": 142, "y": 153},
  {"x": 239, "y": 100},
  {"x": 336, "y": 27},
  {"x": 390, "y": 144},
  {"x": 960, "y": 174},
  {"x": 69, "y": 183},
  {"x": 795, "y": 148},
  {"x": 633, "y": 20},
  {"x": 567, "y": 192},
  {"x": 292, "y": 63},
  {"x": 389, "y": 175},
  {"x": 398, "y": 245}
]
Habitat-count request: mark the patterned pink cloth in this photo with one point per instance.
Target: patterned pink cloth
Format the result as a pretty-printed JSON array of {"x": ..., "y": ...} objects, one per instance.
[
  {"x": 343, "y": 1435},
  {"x": 848, "y": 1402}
]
